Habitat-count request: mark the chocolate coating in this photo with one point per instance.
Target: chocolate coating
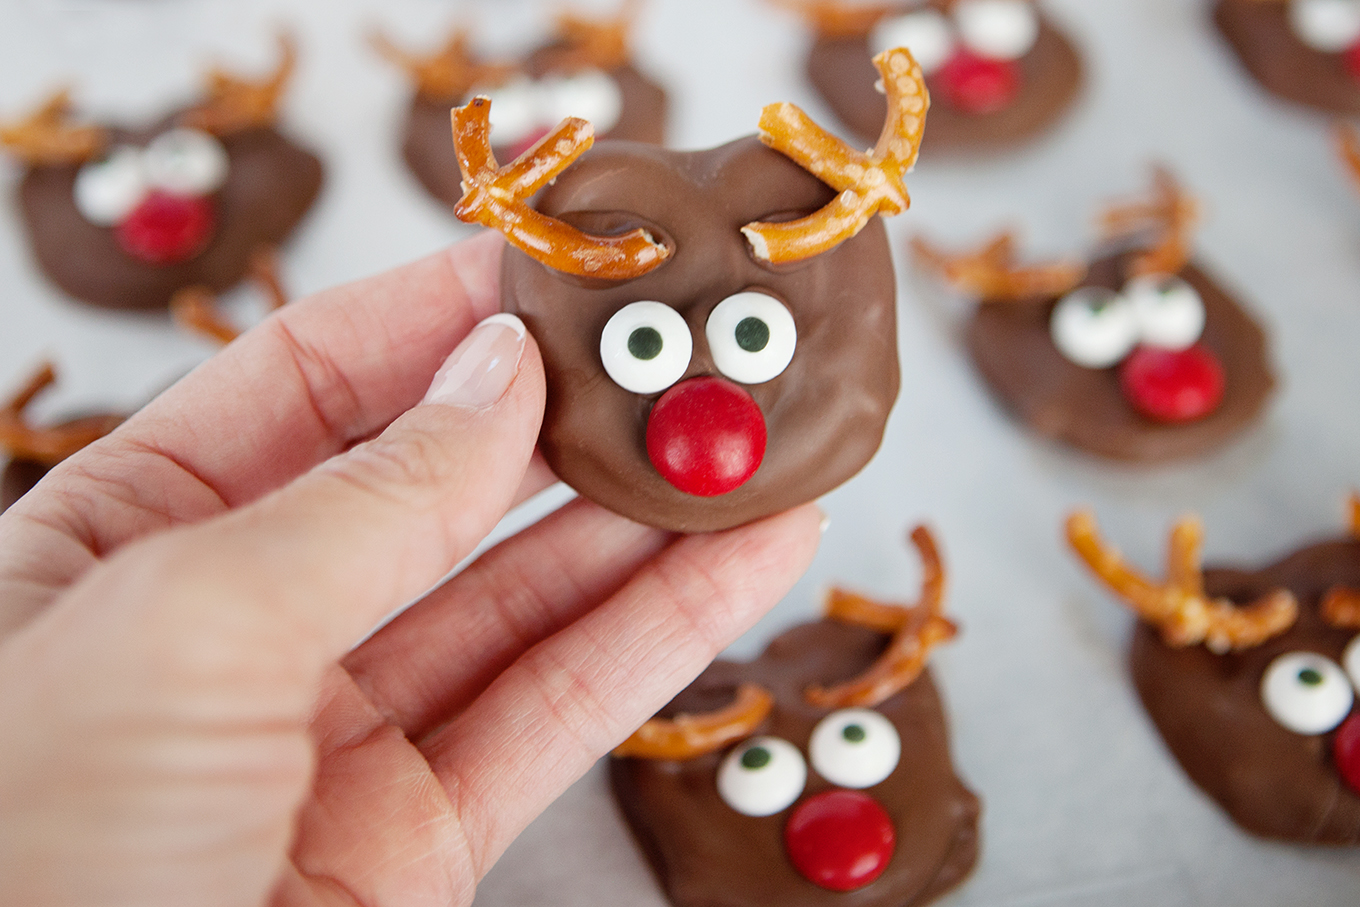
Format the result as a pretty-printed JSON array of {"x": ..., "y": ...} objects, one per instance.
[
  {"x": 705, "y": 854},
  {"x": 1260, "y": 35},
  {"x": 1010, "y": 345},
  {"x": 841, "y": 71},
  {"x": 826, "y": 412},
  {"x": 19, "y": 476},
  {"x": 270, "y": 185},
  {"x": 428, "y": 149},
  {"x": 1273, "y": 782}
]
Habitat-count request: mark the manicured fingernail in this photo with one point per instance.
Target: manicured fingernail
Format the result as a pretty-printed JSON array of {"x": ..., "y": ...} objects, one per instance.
[
  {"x": 477, "y": 373},
  {"x": 825, "y": 524}
]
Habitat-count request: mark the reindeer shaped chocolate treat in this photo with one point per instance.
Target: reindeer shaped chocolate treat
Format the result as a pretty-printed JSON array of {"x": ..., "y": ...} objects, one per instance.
[
  {"x": 714, "y": 352},
  {"x": 1141, "y": 356},
  {"x": 1251, "y": 676},
  {"x": 585, "y": 71},
  {"x": 129, "y": 218},
  {"x": 818, "y": 774},
  {"x": 1000, "y": 72},
  {"x": 1305, "y": 51}
]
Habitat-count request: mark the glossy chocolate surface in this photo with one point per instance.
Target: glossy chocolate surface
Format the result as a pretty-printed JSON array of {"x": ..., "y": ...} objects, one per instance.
[
  {"x": 1265, "y": 44},
  {"x": 705, "y": 854},
  {"x": 841, "y": 71},
  {"x": 1272, "y": 781},
  {"x": 1010, "y": 345},
  {"x": 270, "y": 185},
  {"x": 826, "y": 412}
]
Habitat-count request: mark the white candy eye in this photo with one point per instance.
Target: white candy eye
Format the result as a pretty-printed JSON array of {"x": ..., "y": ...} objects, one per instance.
[
  {"x": 998, "y": 29},
  {"x": 927, "y": 34},
  {"x": 1170, "y": 312},
  {"x": 751, "y": 336},
  {"x": 590, "y": 94},
  {"x": 1306, "y": 692},
  {"x": 515, "y": 111},
  {"x": 186, "y": 162},
  {"x": 106, "y": 191},
  {"x": 854, "y": 748},
  {"x": 1328, "y": 26},
  {"x": 1350, "y": 660},
  {"x": 1093, "y": 327},
  {"x": 645, "y": 347},
  {"x": 762, "y": 776}
]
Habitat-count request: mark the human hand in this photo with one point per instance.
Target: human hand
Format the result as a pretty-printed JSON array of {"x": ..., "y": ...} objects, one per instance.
[{"x": 184, "y": 716}]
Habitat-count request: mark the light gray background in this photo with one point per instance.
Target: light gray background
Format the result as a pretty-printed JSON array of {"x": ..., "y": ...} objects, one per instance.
[{"x": 1082, "y": 804}]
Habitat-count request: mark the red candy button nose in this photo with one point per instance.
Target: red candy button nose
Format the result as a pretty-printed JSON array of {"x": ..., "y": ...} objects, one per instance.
[
  {"x": 1172, "y": 385},
  {"x": 840, "y": 839},
  {"x": 976, "y": 84},
  {"x": 1352, "y": 56},
  {"x": 1346, "y": 751},
  {"x": 166, "y": 228},
  {"x": 706, "y": 436}
]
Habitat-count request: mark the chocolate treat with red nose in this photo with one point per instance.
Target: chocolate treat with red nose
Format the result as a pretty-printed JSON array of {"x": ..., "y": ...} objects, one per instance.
[
  {"x": 1251, "y": 676},
  {"x": 126, "y": 218},
  {"x": 1000, "y": 72},
  {"x": 1305, "y": 51},
  {"x": 1139, "y": 356},
  {"x": 818, "y": 774},
  {"x": 717, "y": 327}
]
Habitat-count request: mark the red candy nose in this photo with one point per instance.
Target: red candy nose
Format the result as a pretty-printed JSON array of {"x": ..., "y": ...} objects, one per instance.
[
  {"x": 1172, "y": 385},
  {"x": 706, "y": 436},
  {"x": 840, "y": 839},
  {"x": 1352, "y": 57},
  {"x": 166, "y": 228},
  {"x": 976, "y": 84},
  {"x": 1346, "y": 751}
]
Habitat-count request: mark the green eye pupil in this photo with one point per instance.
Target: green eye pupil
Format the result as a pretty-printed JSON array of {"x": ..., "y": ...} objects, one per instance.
[
  {"x": 853, "y": 733},
  {"x": 1310, "y": 677},
  {"x": 645, "y": 343},
  {"x": 752, "y": 334},
  {"x": 755, "y": 757}
]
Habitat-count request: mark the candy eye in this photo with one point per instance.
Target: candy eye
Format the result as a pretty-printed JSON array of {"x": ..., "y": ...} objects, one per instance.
[
  {"x": 645, "y": 347},
  {"x": 751, "y": 336},
  {"x": 1169, "y": 311},
  {"x": 927, "y": 34},
  {"x": 1093, "y": 327},
  {"x": 1306, "y": 693},
  {"x": 854, "y": 748},
  {"x": 1328, "y": 26},
  {"x": 998, "y": 29},
  {"x": 514, "y": 111},
  {"x": 590, "y": 94},
  {"x": 762, "y": 776},
  {"x": 1350, "y": 660},
  {"x": 106, "y": 191},
  {"x": 186, "y": 162}
]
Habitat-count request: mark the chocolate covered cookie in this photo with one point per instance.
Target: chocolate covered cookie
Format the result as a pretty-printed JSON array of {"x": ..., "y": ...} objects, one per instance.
[
  {"x": 127, "y": 218},
  {"x": 817, "y": 774},
  {"x": 1139, "y": 356},
  {"x": 585, "y": 71},
  {"x": 1305, "y": 51},
  {"x": 717, "y": 327},
  {"x": 1250, "y": 676},
  {"x": 1000, "y": 72}
]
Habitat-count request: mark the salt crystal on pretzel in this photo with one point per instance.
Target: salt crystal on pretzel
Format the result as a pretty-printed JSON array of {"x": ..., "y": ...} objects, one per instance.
[
  {"x": 990, "y": 272},
  {"x": 868, "y": 183}
]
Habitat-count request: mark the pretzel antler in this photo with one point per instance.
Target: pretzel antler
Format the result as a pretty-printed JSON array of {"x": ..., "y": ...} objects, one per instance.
[
  {"x": 990, "y": 273},
  {"x": 449, "y": 73},
  {"x": 691, "y": 736},
  {"x": 496, "y": 198},
  {"x": 916, "y": 630},
  {"x": 837, "y": 19},
  {"x": 1340, "y": 607},
  {"x": 1348, "y": 147},
  {"x": 48, "y": 446},
  {"x": 235, "y": 104},
  {"x": 1169, "y": 210},
  {"x": 47, "y": 138},
  {"x": 1179, "y": 607},
  {"x": 868, "y": 184},
  {"x": 596, "y": 43}
]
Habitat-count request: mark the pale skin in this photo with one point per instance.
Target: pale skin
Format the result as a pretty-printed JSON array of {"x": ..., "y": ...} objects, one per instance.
[{"x": 184, "y": 715}]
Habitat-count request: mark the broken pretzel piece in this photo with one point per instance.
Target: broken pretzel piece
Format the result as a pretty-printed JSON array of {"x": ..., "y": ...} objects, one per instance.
[
  {"x": 48, "y": 446},
  {"x": 497, "y": 197},
  {"x": 449, "y": 73},
  {"x": 868, "y": 184},
  {"x": 1170, "y": 212},
  {"x": 836, "y": 18},
  {"x": 595, "y": 43},
  {"x": 990, "y": 273},
  {"x": 688, "y": 736},
  {"x": 236, "y": 104},
  {"x": 47, "y": 137}
]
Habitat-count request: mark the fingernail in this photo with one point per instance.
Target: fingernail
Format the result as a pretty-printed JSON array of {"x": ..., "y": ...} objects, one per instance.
[
  {"x": 477, "y": 373},
  {"x": 825, "y": 523}
]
